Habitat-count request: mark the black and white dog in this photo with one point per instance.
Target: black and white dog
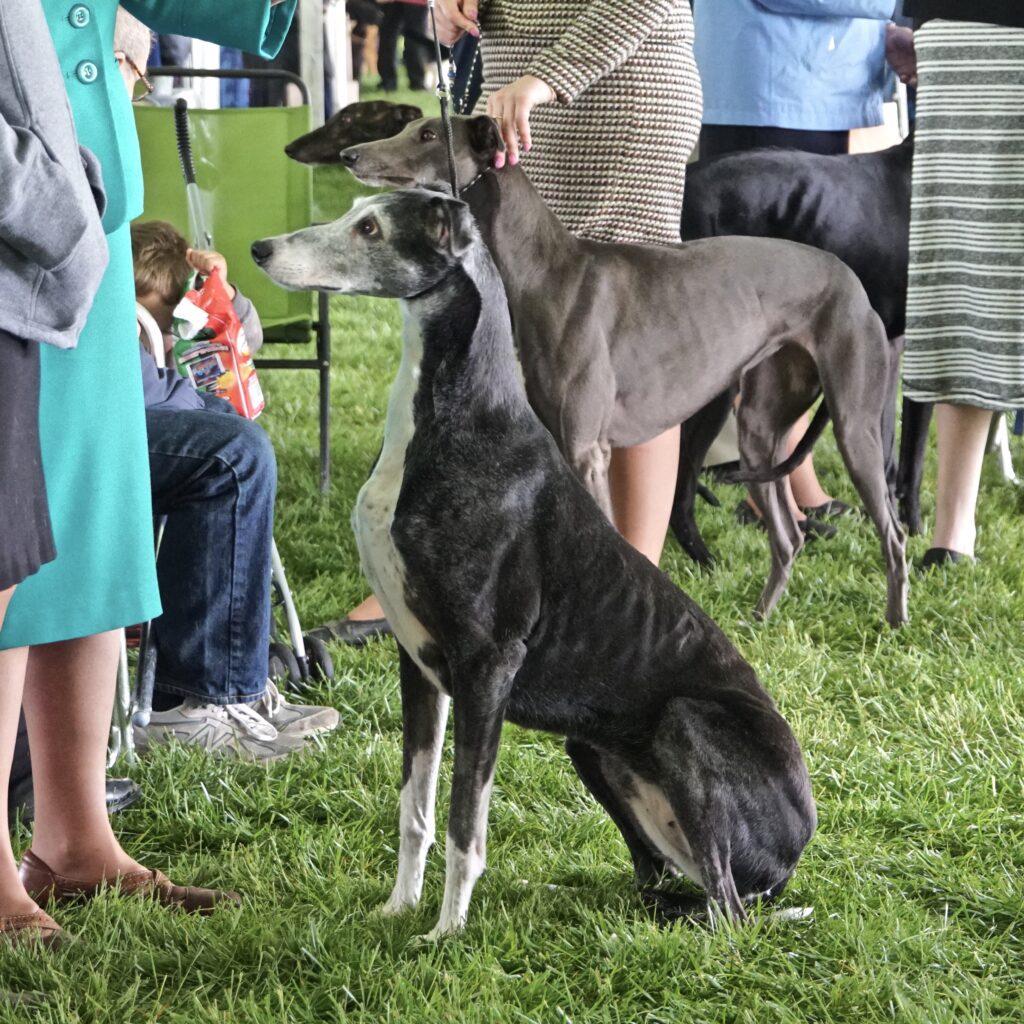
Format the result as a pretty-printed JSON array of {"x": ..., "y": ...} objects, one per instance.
[{"x": 510, "y": 593}]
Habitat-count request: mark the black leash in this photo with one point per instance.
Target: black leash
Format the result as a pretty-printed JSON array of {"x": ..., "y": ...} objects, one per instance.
[{"x": 444, "y": 95}]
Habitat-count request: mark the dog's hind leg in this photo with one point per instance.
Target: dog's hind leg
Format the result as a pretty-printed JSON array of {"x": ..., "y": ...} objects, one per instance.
[
  {"x": 424, "y": 713},
  {"x": 649, "y": 866},
  {"x": 775, "y": 393},
  {"x": 860, "y": 444},
  {"x": 480, "y": 685},
  {"x": 913, "y": 444},
  {"x": 697, "y": 436}
]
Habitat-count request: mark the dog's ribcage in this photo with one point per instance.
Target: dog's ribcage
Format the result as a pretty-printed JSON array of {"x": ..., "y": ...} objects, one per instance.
[{"x": 374, "y": 512}]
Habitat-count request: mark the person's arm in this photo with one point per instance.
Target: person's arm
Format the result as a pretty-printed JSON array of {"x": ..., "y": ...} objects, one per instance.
[
  {"x": 881, "y": 10},
  {"x": 41, "y": 215},
  {"x": 602, "y": 38},
  {"x": 256, "y": 26},
  {"x": 166, "y": 389}
]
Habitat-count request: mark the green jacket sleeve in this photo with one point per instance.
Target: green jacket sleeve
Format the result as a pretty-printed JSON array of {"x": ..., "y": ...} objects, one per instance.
[{"x": 251, "y": 25}]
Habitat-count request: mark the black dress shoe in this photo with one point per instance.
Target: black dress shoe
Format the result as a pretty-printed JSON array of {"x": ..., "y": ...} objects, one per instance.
[
  {"x": 354, "y": 632},
  {"x": 942, "y": 556},
  {"x": 810, "y": 528},
  {"x": 121, "y": 793}
]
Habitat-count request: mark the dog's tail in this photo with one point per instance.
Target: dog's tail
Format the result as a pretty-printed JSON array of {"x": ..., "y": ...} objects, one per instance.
[{"x": 765, "y": 474}]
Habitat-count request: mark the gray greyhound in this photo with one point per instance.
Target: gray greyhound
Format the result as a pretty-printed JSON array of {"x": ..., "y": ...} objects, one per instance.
[
  {"x": 621, "y": 342},
  {"x": 483, "y": 548}
]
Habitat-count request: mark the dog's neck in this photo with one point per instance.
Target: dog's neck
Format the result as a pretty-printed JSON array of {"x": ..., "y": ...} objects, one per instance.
[
  {"x": 519, "y": 228},
  {"x": 468, "y": 365}
]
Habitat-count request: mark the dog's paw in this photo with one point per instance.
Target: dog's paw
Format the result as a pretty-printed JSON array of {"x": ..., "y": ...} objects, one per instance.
[
  {"x": 442, "y": 930},
  {"x": 395, "y": 905}
]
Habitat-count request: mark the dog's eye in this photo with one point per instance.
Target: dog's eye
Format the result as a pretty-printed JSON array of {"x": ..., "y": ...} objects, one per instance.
[
  {"x": 368, "y": 228},
  {"x": 428, "y": 135}
]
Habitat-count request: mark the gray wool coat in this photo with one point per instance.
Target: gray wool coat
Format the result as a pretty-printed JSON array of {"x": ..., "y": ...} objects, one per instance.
[{"x": 52, "y": 248}]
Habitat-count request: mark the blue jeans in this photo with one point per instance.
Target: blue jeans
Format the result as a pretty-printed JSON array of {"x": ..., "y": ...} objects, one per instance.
[{"x": 214, "y": 476}]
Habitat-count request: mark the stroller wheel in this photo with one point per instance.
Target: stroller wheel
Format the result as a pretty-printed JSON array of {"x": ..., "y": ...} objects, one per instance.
[
  {"x": 283, "y": 665},
  {"x": 321, "y": 666}
]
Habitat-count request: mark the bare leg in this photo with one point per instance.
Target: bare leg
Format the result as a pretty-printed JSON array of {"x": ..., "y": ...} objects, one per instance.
[
  {"x": 368, "y": 608},
  {"x": 962, "y": 430},
  {"x": 69, "y": 696},
  {"x": 13, "y": 898},
  {"x": 643, "y": 486},
  {"x": 807, "y": 491}
]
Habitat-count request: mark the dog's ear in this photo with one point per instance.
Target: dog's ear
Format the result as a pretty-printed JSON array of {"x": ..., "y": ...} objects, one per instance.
[
  {"x": 451, "y": 225},
  {"x": 484, "y": 137}
]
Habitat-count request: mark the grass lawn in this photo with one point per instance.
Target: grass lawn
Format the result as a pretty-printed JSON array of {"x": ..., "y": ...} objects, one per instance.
[{"x": 913, "y": 740}]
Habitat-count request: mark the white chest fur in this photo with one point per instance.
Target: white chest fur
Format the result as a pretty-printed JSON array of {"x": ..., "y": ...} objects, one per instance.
[{"x": 374, "y": 512}]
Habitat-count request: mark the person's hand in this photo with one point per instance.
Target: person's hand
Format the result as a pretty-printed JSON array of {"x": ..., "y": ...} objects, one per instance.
[
  {"x": 511, "y": 108},
  {"x": 455, "y": 17},
  {"x": 205, "y": 261},
  {"x": 900, "y": 53}
]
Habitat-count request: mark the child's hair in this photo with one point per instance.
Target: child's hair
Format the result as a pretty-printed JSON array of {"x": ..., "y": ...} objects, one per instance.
[{"x": 158, "y": 252}]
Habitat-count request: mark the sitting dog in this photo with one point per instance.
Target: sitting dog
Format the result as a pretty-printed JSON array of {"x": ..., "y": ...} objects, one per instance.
[
  {"x": 483, "y": 548},
  {"x": 358, "y": 122},
  {"x": 854, "y": 206},
  {"x": 621, "y": 342}
]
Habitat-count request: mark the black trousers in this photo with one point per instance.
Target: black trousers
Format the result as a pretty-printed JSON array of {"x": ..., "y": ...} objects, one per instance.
[
  {"x": 719, "y": 139},
  {"x": 409, "y": 20}
]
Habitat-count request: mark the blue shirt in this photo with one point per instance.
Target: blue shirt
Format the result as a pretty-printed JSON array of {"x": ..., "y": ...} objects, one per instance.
[{"x": 816, "y": 65}]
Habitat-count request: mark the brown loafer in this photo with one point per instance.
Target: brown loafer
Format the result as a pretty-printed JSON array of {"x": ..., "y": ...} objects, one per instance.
[
  {"x": 36, "y": 928},
  {"x": 44, "y": 884}
]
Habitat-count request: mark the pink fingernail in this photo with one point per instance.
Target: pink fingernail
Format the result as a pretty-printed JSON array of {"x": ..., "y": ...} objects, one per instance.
[
  {"x": 499, "y": 160},
  {"x": 513, "y": 159}
]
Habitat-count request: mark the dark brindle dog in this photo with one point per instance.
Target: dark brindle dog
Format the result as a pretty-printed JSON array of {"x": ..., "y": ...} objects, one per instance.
[
  {"x": 365, "y": 121},
  {"x": 510, "y": 593}
]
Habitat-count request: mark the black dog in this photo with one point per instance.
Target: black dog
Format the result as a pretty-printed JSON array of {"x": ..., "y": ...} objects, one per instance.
[
  {"x": 856, "y": 207},
  {"x": 366, "y": 121},
  {"x": 510, "y": 592}
]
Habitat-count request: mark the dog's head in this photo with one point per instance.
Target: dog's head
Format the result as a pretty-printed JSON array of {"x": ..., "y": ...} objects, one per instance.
[
  {"x": 418, "y": 154},
  {"x": 366, "y": 121},
  {"x": 395, "y": 245}
]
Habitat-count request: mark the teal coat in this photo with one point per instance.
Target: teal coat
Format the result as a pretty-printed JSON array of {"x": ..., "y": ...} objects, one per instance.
[{"x": 91, "y": 416}]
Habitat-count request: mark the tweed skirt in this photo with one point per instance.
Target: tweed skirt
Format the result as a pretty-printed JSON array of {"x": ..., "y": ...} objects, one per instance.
[
  {"x": 965, "y": 304},
  {"x": 612, "y": 163}
]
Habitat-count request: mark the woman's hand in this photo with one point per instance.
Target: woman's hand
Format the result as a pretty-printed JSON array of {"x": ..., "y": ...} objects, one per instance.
[
  {"x": 900, "y": 53},
  {"x": 454, "y": 17},
  {"x": 511, "y": 107}
]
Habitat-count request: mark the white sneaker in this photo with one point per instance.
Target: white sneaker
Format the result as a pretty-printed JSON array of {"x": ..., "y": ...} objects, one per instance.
[
  {"x": 296, "y": 720},
  {"x": 231, "y": 730}
]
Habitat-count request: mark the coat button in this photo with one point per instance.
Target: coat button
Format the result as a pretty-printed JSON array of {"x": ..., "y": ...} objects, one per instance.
[
  {"x": 87, "y": 72},
  {"x": 80, "y": 16}
]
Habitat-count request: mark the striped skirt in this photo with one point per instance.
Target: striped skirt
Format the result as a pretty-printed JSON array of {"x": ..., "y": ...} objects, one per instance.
[{"x": 965, "y": 305}]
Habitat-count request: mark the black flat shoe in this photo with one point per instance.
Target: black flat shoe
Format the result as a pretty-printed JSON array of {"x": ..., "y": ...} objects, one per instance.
[
  {"x": 831, "y": 509},
  {"x": 810, "y": 528},
  {"x": 354, "y": 632},
  {"x": 942, "y": 556}
]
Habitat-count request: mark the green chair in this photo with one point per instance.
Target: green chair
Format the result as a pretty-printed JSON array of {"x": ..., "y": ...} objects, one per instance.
[{"x": 250, "y": 190}]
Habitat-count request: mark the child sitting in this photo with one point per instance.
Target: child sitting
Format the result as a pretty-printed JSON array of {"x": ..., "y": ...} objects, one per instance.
[{"x": 214, "y": 476}]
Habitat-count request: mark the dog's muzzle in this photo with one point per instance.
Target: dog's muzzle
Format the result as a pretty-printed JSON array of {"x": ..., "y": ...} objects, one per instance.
[
  {"x": 261, "y": 251},
  {"x": 349, "y": 157}
]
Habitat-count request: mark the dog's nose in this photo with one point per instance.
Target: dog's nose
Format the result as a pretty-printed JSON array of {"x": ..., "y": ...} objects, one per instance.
[
  {"x": 349, "y": 157},
  {"x": 261, "y": 251},
  {"x": 289, "y": 149}
]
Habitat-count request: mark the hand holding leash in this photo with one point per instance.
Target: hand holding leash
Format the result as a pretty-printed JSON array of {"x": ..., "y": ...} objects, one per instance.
[{"x": 455, "y": 17}]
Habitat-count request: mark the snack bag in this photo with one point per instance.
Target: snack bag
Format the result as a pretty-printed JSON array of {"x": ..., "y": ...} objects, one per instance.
[{"x": 210, "y": 347}]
